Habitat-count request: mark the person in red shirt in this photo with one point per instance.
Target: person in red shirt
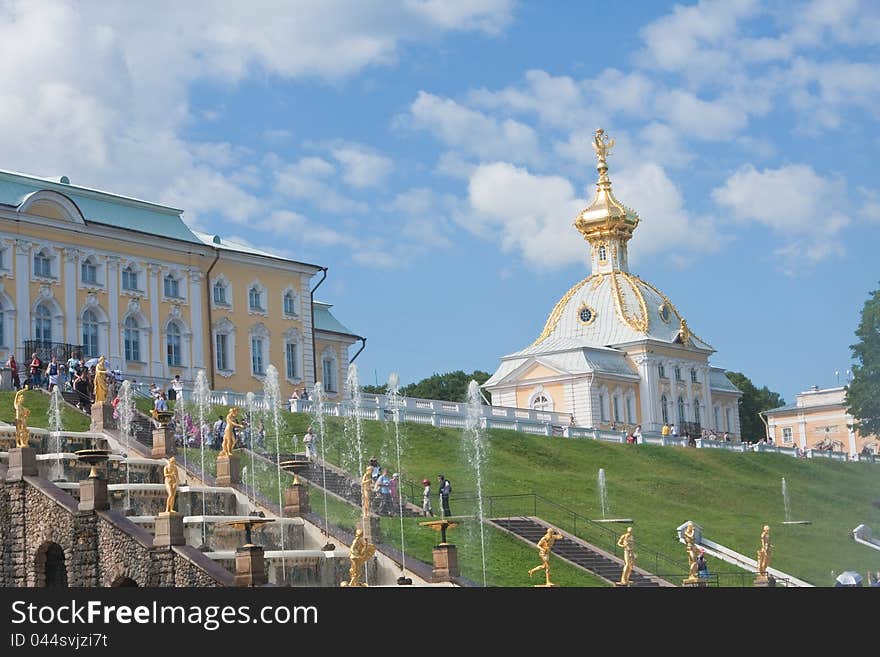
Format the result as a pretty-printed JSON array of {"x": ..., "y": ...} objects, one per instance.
[
  {"x": 13, "y": 365},
  {"x": 35, "y": 367}
]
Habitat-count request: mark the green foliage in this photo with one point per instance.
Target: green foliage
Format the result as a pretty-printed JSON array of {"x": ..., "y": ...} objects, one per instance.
[
  {"x": 863, "y": 392},
  {"x": 375, "y": 390},
  {"x": 753, "y": 401},
  {"x": 451, "y": 386}
]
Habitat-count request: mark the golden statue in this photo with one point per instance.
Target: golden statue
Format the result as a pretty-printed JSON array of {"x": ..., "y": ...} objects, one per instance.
[
  {"x": 22, "y": 435},
  {"x": 545, "y": 546},
  {"x": 690, "y": 545},
  {"x": 100, "y": 381},
  {"x": 366, "y": 491},
  {"x": 764, "y": 552},
  {"x": 229, "y": 433},
  {"x": 360, "y": 551},
  {"x": 684, "y": 333},
  {"x": 602, "y": 145},
  {"x": 170, "y": 472},
  {"x": 629, "y": 556}
]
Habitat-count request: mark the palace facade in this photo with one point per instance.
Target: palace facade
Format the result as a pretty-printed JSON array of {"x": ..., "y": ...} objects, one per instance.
[
  {"x": 124, "y": 278},
  {"x": 615, "y": 351}
]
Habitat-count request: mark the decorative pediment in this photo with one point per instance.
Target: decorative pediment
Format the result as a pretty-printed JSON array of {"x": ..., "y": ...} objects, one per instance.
[{"x": 51, "y": 205}]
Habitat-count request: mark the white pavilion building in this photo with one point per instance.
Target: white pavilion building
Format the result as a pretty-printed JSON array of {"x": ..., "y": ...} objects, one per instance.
[{"x": 615, "y": 352}]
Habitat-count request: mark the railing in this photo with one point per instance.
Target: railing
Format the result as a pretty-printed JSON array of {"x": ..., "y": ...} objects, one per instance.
[{"x": 45, "y": 350}]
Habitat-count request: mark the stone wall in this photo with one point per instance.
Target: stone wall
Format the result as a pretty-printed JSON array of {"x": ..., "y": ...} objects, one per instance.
[{"x": 101, "y": 548}]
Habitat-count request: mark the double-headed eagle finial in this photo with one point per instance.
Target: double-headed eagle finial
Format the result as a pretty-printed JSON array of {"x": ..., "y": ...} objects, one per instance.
[{"x": 602, "y": 145}]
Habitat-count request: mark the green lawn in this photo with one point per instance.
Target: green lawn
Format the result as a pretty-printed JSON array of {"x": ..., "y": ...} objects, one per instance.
[
  {"x": 731, "y": 495},
  {"x": 38, "y": 404}
]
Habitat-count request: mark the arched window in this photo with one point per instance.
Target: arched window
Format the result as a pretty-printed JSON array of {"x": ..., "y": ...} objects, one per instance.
[
  {"x": 171, "y": 287},
  {"x": 220, "y": 294},
  {"x": 694, "y": 375},
  {"x": 89, "y": 272},
  {"x": 328, "y": 367},
  {"x": 258, "y": 365},
  {"x": 603, "y": 415},
  {"x": 132, "y": 339},
  {"x": 42, "y": 264},
  {"x": 603, "y": 255},
  {"x": 172, "y": 344},
  {"x": 50, "y": 566},
  {"x": 43, "y": 324},
  {"x": 696, "y": 409},
  {"x": 716, "y": 412},
  {"x": 677, "y": 372},
  {"x": 616, "y": 408},
  {"x": 542, "y": 403},
  {"x": 90, "y": 334},
  {"x": 129, "y": 279},
  {"x": 664, "y": 409},
  {"x": 255, "y": 298},
  {"x": 681, "y": 416},
  {"x": 661, "y": 370},
  {"x": 629, "y": 411},
  {"x": 290, "y": 304},
  {"x": 728, "y": 419},
  {"x": 2, "y": 324}
]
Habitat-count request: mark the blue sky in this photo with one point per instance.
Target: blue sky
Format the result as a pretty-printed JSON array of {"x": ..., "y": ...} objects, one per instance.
[{"x": 434, "y": 154}]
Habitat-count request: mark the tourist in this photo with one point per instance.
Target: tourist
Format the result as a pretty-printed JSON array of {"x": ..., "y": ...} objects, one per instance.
[
  {"x": 665, "y": 430},
  {"x": 160, "y": 404},
  {"x": 374, "y": 464},
  {"x": 630, "y": 439},
  {"x": 691, "y": 440},
  {"x": 83, "y": 391},
  {"x": 571, "y": 421},
  {"x": 637, "y": 434},
  {"x": 52, "y": 372},
  {"x": 672, "y": 430},
  {"x": 445, "y": 490},
  {"x": 294, "y": 396},
  {"x": 702, "y": 566},
  {"x": 73, "y": 364},
  {"x": 175, "y": 390},
  {"x": 35, "y": 370},
  {"x": 427, "y": 509},
  {"x": 395, "y": 488},
  {"x": 219, "y": 430},
  {"x": 305, "y": 394},
  {"x": 13, "y": 365},
  {"x": 309, "y": 442},
  {"x": 384, "y": 485},
  {"x": 726, "y": 436}
]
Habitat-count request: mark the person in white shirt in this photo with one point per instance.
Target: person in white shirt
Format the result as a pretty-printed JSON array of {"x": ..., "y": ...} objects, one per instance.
[{"x": 309, "y": 441}]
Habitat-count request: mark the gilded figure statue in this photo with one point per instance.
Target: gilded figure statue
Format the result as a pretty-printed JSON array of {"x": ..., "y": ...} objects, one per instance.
[
  {"x": 764, "y": 552},
  {"x": 366, "y": 491},
  {"x": 100, "y": 381},
  {"x": 170, "y": 472},
  {"x": 602, "y": 145},
  {"x": 629, "y": 556},
  {"x": 22, "y": 413},
  {"x": 690, "y": 545},
  {"x": 358, "y": 554},
  {"x": 545, "y": 546},
  {"x": 229, "y": 433},
  {"x": 684, "y": 333}
]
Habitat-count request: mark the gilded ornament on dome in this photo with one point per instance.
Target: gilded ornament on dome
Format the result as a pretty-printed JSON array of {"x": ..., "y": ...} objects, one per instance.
[
  {"x": 684, "y": 333},
  {"x": 663, "y": 310},
  {"x": 586, "y": 314},
  {"x": 602, "y": 145}
]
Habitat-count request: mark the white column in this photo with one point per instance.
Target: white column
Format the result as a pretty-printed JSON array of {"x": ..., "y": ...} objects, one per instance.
[
  {"x": 68, "y": 282},
  {"x": 689, "y": 402},
  {"x": 308, "y": 329},
  {"x": 707, "y": 398},
  {"x": 802, "y": 429},
  {"x": 157, "y": 368},
  {"x": 197, "y": 347},
  {"x": 114, "y": 349},
  {"x": 648, "y": 386},
  {"x": 22, "y": 294}
]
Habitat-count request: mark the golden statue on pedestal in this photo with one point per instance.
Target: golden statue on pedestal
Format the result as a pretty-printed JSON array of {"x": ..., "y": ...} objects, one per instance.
[
  {"x": 692, "y": 553},
  {"x": 359, "y": 553},
  {"x": 22, "y": 435},
  {"x": 170, "y": 472},
  {"x": 366, "y": 491},
  {"x": 229, "y": 433},
  {"x": 629, "y": 556},
  {"x": 545, "y": 546},
  {"x": 764, "y": 552},
  {"x": 100, "y": 381}
]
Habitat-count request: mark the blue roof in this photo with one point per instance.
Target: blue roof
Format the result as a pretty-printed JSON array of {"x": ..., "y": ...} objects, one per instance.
[
  {"x": 101, "y": 207},
  {"x": 325, "y": 321}
]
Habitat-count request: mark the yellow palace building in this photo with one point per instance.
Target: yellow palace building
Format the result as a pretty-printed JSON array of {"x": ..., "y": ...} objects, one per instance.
[
  {"x": 615, "y": 352},
  {"x": 106, "y": 274}
]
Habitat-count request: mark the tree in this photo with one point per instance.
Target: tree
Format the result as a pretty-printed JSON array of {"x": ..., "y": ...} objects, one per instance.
[
  {"x": 375, "y": 390},
  {"x": 753, "y": 401},
  {"x": 451, "y": 386},
  {"x": 863, "y": 392}
]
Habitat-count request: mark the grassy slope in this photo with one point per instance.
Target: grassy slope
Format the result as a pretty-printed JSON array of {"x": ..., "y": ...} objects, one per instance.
[
  {"x": 38, "y": 404},
  {"x": 730, "y": 494}
]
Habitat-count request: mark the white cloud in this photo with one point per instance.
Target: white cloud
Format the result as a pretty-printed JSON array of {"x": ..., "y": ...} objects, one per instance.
[
  {"x": 474, "y": 132},
  {"x": 490, "y": 16},
  {"x": 793, "y": 201},
  {"x": 361, "y": 167},
  {"x": 870, "y": 208},
  {"x": 556, "y": 100},
  {"x": 425, "y": 217},
  {"x": 711, "y": 120},
  {"x": 310, "y": 179}
]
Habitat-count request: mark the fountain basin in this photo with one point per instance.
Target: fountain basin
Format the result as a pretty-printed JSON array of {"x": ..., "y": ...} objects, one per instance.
[
  {"x": 150, "y": 499},
  {"x": 218, "y": 536},
  {"x": 302, "y": 567}
]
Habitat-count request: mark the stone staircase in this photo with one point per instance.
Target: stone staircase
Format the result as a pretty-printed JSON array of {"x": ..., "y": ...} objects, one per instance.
[{"x": 578, "y": 552}]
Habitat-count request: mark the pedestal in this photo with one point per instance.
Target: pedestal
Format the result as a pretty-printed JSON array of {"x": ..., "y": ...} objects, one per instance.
[
  {"x": 296, "y": 500},
  {"x": 445, "y": 562},
  {"x": 163, "y": 442},
  {"x": 622, "y": 585},
  {"x": 765, "y": 581},
  {"x": 250, "y": 568},
  {"x": 93, "y": 495},
  {"x": 694, "y": 583},
  {"x": 22, "y": 462},
  {"x": 169, "y": 530},
  {"x": 102, "y": 417},
  {"x": 228, "y": 470}
]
